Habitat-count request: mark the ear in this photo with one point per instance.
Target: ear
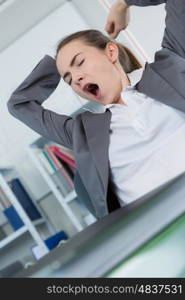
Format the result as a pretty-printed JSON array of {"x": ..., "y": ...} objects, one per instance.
[{"x": 112, "y": 52}]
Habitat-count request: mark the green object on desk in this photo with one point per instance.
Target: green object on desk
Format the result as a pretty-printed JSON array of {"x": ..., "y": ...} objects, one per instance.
[{"x": 163, "y": 256}]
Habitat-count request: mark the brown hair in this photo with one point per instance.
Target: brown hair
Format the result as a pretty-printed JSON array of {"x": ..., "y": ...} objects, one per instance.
[{"x": 97, "y": 39}]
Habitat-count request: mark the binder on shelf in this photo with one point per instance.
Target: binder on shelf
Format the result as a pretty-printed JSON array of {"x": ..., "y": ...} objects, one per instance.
[
  {"x": 13, "y": 217},
  {"x": 60, "y": 165},
  {"x": 68, "y": 152},
  {"x": 63, "y": 155},
  {"x": 67, "y": 162},
  {"x": 56, "y": 170},
  {"x": 9, "y": 212},
  {"x": 54, "y": 240},
  {"x": 51, "y": 242},
  {"x": 24, "y": 199},
  {"x": 50, "y": 160}
]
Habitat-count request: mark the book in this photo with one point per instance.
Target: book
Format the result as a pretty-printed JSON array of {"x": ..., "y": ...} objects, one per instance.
[
  {"x": 44, "y": 160},
  {"x": 24, "y": 199},
  {"x": 56, "y": 162},
  {"x": 49, "y": 159},
  {"x": 51, "y": 243},
  {"x": 63, "y": 155},
  {"x": 60, "y": 166},
  {"x": 68, "y": 169},
  {"x": 65, "y": 150},
  {"x": 13, "y": 217}
]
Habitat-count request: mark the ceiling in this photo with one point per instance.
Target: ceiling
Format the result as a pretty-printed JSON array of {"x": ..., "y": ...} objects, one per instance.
[{"x": 18, "y": 16}]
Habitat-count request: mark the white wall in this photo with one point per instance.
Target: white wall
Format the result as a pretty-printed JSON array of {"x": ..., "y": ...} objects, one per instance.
[
  {"x": 147, "y": 24},
  {"x": 16, "y": 62}
]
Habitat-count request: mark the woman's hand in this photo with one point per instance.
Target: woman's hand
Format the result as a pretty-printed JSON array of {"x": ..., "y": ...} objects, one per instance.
[{"x": 118, "y": 19}]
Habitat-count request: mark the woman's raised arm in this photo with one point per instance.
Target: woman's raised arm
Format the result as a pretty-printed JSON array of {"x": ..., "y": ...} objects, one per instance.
[
  {"x": 119, "y": 15},
  {"x": 174, "y": 35},
  {"x": 26, "y": 101}
]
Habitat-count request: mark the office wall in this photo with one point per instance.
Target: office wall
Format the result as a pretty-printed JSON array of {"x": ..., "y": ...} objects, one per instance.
[{"x": 147, "y": 24}]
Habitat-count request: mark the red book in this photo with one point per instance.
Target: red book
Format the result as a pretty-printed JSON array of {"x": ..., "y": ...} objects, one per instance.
[
  {"x": 60, "y": 153},
  {"x": 59, "y": 166},
  {"x": 53, "y": 157},
  {"x": 64, "y": 150}
]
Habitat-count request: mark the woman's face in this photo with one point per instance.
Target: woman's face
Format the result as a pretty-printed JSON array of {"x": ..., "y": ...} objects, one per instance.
[{"x": 93, "y": 74}]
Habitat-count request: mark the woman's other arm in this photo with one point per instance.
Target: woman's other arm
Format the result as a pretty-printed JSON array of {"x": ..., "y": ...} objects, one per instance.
[
  {"x": 26, "y": 101},
  {"x": 174, "y": 35},
  {"x": 119, "y": 15}
]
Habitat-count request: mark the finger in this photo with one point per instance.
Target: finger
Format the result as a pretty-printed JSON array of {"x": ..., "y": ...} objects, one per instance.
[
  {"x": 110, "y": 27},
  {"x": 117, "y": 30},
  {"x": 115, "y": 33}
]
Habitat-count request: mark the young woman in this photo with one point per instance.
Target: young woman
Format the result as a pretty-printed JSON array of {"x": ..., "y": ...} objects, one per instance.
[{"x": 138, "y": 142}]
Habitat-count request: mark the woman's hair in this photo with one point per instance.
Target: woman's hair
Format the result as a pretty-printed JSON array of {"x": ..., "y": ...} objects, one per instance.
[{"x": 98, "y": 40}]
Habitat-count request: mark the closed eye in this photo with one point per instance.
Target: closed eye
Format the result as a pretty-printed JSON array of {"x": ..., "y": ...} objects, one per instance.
[
  {"x": 81, "y": 63},
  {"x": 70, "y": 81}
]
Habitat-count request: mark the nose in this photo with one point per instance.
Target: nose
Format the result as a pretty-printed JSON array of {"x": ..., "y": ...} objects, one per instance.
[{"x": 78, "y": 79}]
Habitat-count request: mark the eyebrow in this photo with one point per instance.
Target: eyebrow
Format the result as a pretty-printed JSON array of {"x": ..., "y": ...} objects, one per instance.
[{"x": 71, "y": 64}]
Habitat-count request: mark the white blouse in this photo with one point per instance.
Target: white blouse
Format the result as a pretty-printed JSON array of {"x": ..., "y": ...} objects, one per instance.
[{"x": 147, "y": 143}]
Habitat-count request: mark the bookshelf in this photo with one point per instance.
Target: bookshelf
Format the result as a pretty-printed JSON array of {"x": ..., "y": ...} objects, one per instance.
[
  {"x": 56, "y": 187},
  {"x": 13, "y": 236},
  {"x": 52, "y": 185},
  {"x": 29, "y": 225}
]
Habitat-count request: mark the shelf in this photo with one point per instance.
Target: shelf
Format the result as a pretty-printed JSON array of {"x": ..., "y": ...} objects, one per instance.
[
  {"x": 13, "y": 236},
  {"x": 38, "y": 222},
  {"x": 71, "y": 196}
]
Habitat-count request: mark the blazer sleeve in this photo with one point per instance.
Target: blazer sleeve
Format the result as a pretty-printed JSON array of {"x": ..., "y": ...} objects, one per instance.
[
  {"x": 144, "y": 2},
  {"x": 174, "y": 35},
  {"x": 26, "y": 101}
]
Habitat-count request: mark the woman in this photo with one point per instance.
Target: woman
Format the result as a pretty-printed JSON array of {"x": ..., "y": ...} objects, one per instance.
[{"x": 124, "y": 152}]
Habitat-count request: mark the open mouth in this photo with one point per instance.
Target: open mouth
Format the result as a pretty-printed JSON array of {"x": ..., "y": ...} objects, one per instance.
[{"x": 93, "y": 89}]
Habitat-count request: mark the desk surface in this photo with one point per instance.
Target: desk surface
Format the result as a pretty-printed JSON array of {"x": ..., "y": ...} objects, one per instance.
[
  {"x": 163, "y": 256},
  {"x": 124, "y": 241}
]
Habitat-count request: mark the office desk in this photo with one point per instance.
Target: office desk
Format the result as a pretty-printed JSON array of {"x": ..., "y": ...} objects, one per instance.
[{"x": 143, "y": 239}]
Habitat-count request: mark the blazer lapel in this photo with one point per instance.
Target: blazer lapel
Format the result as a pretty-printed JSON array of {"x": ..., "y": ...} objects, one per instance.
[{"x": 97, "y": 131}]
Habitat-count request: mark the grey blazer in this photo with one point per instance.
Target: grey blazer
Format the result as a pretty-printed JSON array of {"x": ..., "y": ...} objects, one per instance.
[{"x": 87, "y": 134}]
